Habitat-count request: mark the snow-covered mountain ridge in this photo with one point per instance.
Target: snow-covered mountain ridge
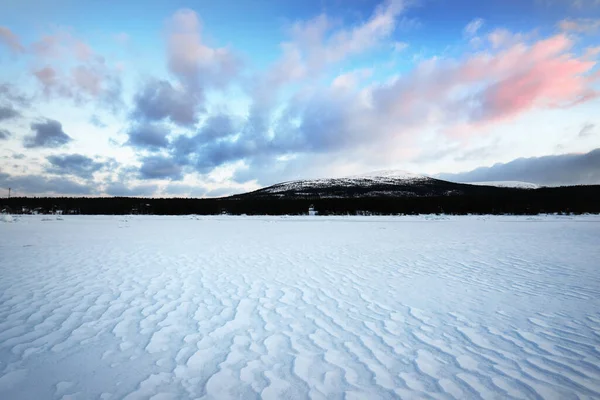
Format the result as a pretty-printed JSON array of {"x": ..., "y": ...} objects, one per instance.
[
  {"x": 366, "y": 180},
  {"x": 386, "y": 183},
  {"x": 506, "y": 184}
]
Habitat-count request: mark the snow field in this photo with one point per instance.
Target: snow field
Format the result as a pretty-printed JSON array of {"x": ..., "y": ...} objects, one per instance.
[{"x": 146, "y": 307}]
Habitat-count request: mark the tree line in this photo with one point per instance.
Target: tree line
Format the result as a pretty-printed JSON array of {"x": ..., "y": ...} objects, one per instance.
[{"x": 573, "y": 199}]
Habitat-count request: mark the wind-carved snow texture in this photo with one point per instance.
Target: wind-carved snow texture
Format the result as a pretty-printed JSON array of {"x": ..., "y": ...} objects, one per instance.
[{"x": 359, "y": 308}]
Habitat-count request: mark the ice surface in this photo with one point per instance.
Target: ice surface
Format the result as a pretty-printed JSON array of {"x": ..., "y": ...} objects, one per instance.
[{"x": 101, "y": 307}]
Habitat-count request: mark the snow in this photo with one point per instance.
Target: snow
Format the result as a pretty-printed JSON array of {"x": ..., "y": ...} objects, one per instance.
[
  {"x": 366, "y": 180},
  {"x": 506, "y": 184},
  {"x": 141, "y": 307},
  {"x": 6, "y": 218},
  {"x": 394, "y": 173}
]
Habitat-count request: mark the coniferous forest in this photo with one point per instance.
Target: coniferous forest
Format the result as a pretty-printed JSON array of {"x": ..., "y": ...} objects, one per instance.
[{"x": 485, "y": 200}]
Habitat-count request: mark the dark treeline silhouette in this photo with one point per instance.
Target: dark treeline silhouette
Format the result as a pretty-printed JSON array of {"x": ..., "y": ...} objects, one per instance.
[{"x": 573, "y": 199}]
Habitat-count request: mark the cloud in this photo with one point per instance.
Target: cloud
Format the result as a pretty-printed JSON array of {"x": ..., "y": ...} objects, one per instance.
[
  {"x": 457, "y": 97},
  {"x": 201, "y": 149},
  {"x": 194, "y": 63},
  {"x": 48, "y": 133},
  {"x": 587, "y": 130},
  {"x": 318, "y": 43},
  {"x": 4, "y": 134},
  {"x": 7, "y": 112},
  {"x": 350, "y": 80},
  {"x": 486, "y": 87},
  {"x": 581, "y": 25},
  {"x": 314, "y": 45},
  {"x": 148, "y": 136},
  {"x": 400, "y": 46},
  {"x": 9, "y": 94},
  {"x": 47, "y": 76},
  {"x": 565, "y": 169},
  {"x": 215, "y": 143},
  {"x": 576, "y": 4},
  {"x": 42, "y": 185},
  {"x": 214, "y": 128},
  {"x": 62, "y": 45},
  {"x": 159, "y": 99},
  {"x": 221, "y": 192},
  {"x": 473, "y": 27},
  {"x": 10, "y": 40},
  {"x": 74, "y": 164},
  {"x": 182, "y": 189},
  {"x": 97, "y": 122},
  {"x": 67, "y": 67},
  {"x": 159, "y": 167},
  {"x": 94, "y": 80},
  {"x": 196, "y": 68},
  {"x": 322, "y": 45},
  {"x": 120, "y": 189}
]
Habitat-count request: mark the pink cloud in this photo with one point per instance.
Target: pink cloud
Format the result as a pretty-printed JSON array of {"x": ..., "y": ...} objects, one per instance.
[
  {"x": 49, "y": 46},
  {"x": 52, "y": 83},
  {"x": 581, "y": 25},
  {"x": 88, "y": 79},
  {"x": 46, "y": 76},
  {"x": 9, "y": 39},
  {"x": 489, "y": 87},
  {"x": 196, "y": 64},
  {"x": 66, "y": 66},
  {"x": 61, "y": 45}
]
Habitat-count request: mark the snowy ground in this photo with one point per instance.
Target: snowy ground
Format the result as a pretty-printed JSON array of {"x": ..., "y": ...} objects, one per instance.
[{"x": 100, "y": 307}]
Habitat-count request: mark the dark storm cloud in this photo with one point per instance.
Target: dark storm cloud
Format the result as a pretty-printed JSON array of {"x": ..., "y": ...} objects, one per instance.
[
  {"x": 36, "y": 184},
  {"x": 158, "y": 100},
  {"x": 73, "y": 164},
  {"x": 7, "y": 112},
  {"x": 120, "y": 189},
  {"x": 48, "y": 134},
  {"x": 158, "y": 167},
  {"x": 4, "y": 134},
  {"x": 565, "y": 169},
  {"x": 148, "y": 136}
]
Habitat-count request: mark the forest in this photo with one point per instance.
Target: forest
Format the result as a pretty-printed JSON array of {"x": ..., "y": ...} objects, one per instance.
[{"x": 571, "y": 199}]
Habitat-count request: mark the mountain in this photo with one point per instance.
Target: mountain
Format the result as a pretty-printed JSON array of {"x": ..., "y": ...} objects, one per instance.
[
  {"x": 507, "y": 184},
  {"x": 391, "y": 183}
]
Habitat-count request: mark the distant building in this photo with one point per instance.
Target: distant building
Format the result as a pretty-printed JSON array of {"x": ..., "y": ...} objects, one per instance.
[{"x": 312, "y": 211}]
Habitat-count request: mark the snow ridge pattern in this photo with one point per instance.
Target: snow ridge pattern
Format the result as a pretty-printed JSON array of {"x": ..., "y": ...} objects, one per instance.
[{"x": 103, "y": 307}]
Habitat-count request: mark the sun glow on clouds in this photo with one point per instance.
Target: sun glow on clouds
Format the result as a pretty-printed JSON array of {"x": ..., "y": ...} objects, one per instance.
[{"x": 211, "y": 123}]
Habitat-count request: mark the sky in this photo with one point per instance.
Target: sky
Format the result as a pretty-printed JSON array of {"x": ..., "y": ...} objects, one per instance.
[{"x": 206, "y": 99}]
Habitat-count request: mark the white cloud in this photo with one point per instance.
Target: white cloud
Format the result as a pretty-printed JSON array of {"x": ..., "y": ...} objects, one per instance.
[{"x": 473, "y": 27}]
